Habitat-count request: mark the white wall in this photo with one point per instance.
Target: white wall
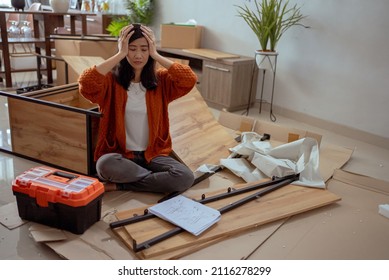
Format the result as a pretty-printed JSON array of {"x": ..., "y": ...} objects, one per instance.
[{"x": 337, "y": 71}]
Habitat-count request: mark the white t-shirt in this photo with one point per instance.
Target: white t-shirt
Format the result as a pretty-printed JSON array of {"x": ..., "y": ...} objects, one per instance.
[{"x": 136, "y": 121}]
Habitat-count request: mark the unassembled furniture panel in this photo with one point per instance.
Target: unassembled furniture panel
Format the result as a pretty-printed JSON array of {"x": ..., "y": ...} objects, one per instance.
[{"x": 55, "y": 126}]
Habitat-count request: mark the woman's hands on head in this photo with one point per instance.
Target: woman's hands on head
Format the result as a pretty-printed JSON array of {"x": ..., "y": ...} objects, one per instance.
[
  {"x": 127, "y": 32},
  {"x": 124, "y": 37},
  {"x": 150, "y": 37}
]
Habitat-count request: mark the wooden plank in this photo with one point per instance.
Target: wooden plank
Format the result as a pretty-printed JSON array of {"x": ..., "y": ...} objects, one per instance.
[
  {"x": 49, "y": 134},
  {"x": 196, "y": 135},
  {"x": 285, "y": 202},
  {"x": 212, "y": 54},
  {"x": 126, "y": 238},
  {"x": 80, "y": 63}
]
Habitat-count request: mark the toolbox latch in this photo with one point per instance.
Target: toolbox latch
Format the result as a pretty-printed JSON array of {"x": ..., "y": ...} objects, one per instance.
[{"x": 42, "y": 198}]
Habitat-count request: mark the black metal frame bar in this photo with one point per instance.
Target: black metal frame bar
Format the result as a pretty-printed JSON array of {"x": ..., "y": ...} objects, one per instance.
[
  {"x": 48, "y": 60},
  {"x": 271, "y": 185}
]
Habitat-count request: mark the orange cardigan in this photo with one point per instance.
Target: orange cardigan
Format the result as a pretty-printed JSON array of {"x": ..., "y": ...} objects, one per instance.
[{"x": 173, "y": 83}]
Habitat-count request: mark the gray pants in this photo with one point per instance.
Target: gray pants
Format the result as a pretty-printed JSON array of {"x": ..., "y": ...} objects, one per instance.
[{"x": 162, "y": 175}]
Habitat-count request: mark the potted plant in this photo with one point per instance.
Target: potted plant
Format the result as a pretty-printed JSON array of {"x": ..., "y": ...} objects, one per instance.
[
  {"x": 140, "y": 11},
  {"x": 269, "y": 21}
]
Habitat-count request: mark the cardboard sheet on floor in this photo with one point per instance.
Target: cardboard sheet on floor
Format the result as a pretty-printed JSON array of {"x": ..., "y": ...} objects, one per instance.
[
  {"x": 9, "y": 216},
  {"x": 97, "y": 243},
  {"x": 42, "y": 233},
  {"x": 285, "y": 202},
  {"x": 349, "y": 230}
]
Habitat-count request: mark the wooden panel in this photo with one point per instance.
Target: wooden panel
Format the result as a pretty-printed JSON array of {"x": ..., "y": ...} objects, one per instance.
[
  {"x": 241, "y": 85},
  {"x": 197, "y": 137},
  {"x": 70, "y": 98},
  {"x": 77, "y": 64},
  {"x": 285, "y": 202},
  {"x": 212, "y": 54},
  {"x": 49, "y": 134},
  {"x": 217, "y": 83}
]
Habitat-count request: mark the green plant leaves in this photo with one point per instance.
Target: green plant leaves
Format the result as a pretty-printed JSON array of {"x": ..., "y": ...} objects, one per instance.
[
  {"x": 139, "y": 11},
  {"x": 116, "y": 25},
  {"x": 270, "y": 20}
]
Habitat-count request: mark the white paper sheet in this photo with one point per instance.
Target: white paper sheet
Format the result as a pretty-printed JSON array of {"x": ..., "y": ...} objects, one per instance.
[
  {"x": 241, "y": 167},
  {"x": 186, "y": 213}
]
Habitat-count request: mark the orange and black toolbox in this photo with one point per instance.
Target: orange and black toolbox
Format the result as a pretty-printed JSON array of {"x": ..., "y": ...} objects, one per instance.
[{"x": 59, "y": 199}]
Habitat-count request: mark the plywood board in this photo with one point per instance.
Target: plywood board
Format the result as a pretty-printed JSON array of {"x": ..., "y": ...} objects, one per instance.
[
  {"x": 80, "y": 63},
  {"x": 285, "y": 202},
  {"x": 212, "y": 54},
  {"x": 49, "y": 134},
  {"x": 196, "y": 135}
]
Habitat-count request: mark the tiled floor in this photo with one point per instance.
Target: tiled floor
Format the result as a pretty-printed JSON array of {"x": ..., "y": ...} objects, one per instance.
[{"x": 367, "y": 159}]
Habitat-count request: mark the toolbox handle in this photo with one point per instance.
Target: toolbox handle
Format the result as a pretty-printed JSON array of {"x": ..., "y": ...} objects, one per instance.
[{"x": 65, "y": 175}]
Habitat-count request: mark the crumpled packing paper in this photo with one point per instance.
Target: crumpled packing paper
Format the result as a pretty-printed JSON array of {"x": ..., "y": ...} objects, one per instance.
[{"x": 260, "y": 160}]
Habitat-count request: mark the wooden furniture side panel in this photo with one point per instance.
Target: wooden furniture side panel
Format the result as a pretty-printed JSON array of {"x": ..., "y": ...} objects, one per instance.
[
  {"x": 70, "y": 98},
  {"x": 242, "y": 86},
  {"x": 49, "y": 134},
  {"x": 217, "y": 83}
]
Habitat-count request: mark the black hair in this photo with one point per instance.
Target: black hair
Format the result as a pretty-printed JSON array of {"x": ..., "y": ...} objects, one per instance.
[{"x": 124, "y": 72}]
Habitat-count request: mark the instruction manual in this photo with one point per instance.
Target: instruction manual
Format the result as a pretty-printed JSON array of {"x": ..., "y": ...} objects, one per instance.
[{"x": 186, "y": 213}]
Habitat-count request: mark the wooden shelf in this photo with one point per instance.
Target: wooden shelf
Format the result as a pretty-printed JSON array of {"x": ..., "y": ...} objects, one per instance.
[
  {"x": 41, "y": 37},
  {"x": 25, "y": 40}
]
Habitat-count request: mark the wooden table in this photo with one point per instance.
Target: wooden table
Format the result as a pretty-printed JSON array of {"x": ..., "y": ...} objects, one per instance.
[{"x": 41, "y": 38}]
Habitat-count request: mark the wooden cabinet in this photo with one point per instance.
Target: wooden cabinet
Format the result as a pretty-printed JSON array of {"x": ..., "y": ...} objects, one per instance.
[
  {"x": 228, "y": 83},
  {"x": 223, "y": 83}
]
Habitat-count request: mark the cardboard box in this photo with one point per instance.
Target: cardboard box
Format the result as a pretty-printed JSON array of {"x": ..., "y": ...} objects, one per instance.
[
  {"x": 181, "y": 36},
  {"x": 103, "y": 48}
]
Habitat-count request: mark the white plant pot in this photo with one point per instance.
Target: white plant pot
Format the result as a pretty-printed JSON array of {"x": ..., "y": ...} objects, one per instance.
[
  {"x": 60, "y": 6},
  {"x": 266, "y": 60}
]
